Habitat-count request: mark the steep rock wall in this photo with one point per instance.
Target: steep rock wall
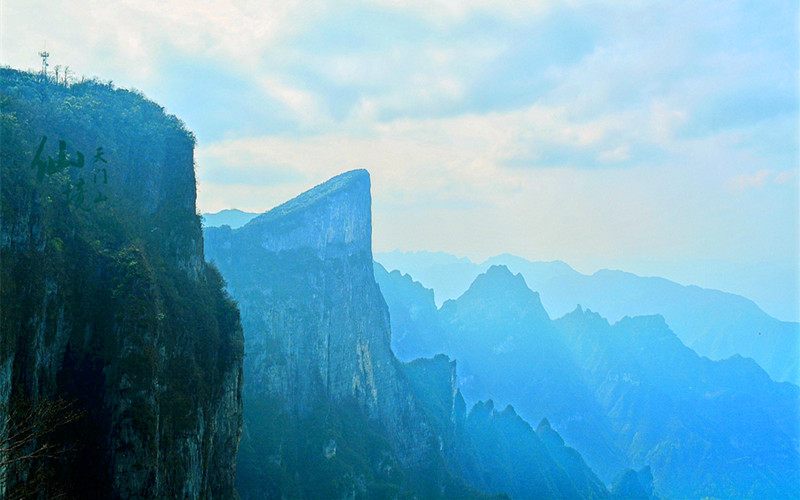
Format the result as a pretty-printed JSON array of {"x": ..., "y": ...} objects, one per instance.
[
  {"x": 108, "y": 305},
  {"x": 317, "y": 328}
]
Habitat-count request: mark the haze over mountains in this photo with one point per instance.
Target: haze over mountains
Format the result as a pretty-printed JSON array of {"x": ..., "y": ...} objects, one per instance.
[
  {"x": 627, "y": 395},
  {"x": 624, "y": 395},
  {"x": 231, "y": 217},
  {"x": 450, "y": 276},
  {"x": 713, "y": 323}
]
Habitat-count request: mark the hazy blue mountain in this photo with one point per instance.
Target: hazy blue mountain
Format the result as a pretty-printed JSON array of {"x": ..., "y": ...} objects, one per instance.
[
  {"x": 535, "y": 273},
  {"x": 721, "y": 428},
  {"x": 497, "y": 451},
  {"x": 415, "y": 326},
  {"x": 570, "y": 460},
  {"x": 120, "y": 353},
  {"x": 447, "y": 275},
  {"x": 512, "y": 456},
  {"x": 450, "y": 276},
  {"x": 232, "y": 217},
  {"x": 713, "y": 323},
  {"x": 630, "y": 393},
  {"x": 628, "y": 486},
  {"x": 486, "y": 339},
  {"x": 509, "y": 351}
]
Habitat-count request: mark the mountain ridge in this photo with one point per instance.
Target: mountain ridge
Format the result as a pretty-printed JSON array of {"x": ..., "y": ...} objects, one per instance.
[
  {"x": 716, "y": 324},
  {"x": 630, "y": 388}
]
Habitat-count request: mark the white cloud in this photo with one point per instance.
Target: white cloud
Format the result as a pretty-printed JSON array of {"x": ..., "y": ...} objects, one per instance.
[
  {"x": 760, "y": 179},
  {"x": 130, "y": 38},
  {"x": 746, "y": 181},
  {"x": 305, "y": 106},
  {"x": 443, "y": 12},
  {"x": 623, "y": 138},
  {"x": 618, "y": 154},
  {"x": 786, "y": 176}
]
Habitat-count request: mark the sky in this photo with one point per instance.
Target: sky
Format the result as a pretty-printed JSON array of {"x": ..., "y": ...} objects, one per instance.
[{"x": 656, "y": 137}]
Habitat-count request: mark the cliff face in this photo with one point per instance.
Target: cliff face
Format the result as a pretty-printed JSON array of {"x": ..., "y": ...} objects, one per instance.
[
  {"x": 333, "y": 220},
  {"x": 108, "y": 309},
  {"x": 317, "y": 340}
]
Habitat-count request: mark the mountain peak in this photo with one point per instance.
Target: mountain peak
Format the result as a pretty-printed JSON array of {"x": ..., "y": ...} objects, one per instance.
[
  {"x": 548, "y": 435},
  {"x": 543, "y": 425},
  {"x": 501, "y": 290},
  {"x": 627, "y": 485},
  {"x": 499, "y": 277},
  {"x": 232, "y": 217},
  {"x": 509, "y": 411},
  {"x": 333, "y": 219}
]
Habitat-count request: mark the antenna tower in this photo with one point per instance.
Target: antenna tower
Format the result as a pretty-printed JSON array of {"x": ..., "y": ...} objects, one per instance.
[{"x": 44, "y": 55}]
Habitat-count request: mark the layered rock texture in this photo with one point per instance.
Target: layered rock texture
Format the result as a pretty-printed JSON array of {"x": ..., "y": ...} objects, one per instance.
[{"x": 120, "y": 353}]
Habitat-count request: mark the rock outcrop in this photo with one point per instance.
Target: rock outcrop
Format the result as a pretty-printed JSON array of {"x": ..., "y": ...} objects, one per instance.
[
  {"x": 116, "y": 335},
  {"x": 497, "y": 451},
  {"x": 317, "y": 342}
]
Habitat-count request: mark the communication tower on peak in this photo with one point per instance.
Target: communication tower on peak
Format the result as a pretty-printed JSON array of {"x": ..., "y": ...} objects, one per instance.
[{"x": 44, "y": 55}]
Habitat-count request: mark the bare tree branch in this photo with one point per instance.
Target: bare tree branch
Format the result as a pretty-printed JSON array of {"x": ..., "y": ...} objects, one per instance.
[{"x": 26, "y": 431}]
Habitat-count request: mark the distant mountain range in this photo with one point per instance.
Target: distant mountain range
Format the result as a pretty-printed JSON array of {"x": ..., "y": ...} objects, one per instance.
[
  {"x": 713, "y": 323},
  {"x": 232, "y": 217},
  {"x": 627, "y": 395}
]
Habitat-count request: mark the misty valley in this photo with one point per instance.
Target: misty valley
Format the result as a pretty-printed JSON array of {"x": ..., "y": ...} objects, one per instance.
[{"x": 149, "y": 352}]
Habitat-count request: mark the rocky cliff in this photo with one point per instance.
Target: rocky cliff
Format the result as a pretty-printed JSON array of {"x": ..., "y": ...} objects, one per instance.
[
  {"x": 116, "y": 336},
  {"x": 318, "y": 354}
]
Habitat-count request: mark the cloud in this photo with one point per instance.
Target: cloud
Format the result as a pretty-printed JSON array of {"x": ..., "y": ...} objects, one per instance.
[
  {"x": 128, "y": 39},
  {"x": 554, "y": 129},
  {"x": 304, "y": 107},
  {"x": 616, "y": 155},
  {"x": 786, "y": 176},
  {"x": 746, "y": 181},
  {"x": 761, "y": 178}
]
